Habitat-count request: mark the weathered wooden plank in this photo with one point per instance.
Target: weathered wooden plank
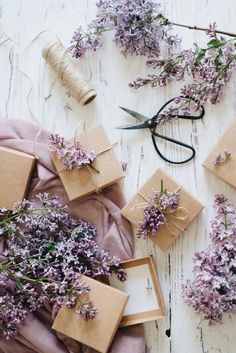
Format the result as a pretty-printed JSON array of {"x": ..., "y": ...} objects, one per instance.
[{"x": 22, "y": 20}]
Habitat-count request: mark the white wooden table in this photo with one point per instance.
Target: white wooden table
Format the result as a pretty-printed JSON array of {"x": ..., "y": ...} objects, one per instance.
[{"x": 24, "y": 19}]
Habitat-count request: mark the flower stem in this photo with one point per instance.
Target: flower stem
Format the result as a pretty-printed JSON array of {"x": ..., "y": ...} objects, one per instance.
[
  {"x": 200, "y": 28},
  {"x": 225, "y": 220}
]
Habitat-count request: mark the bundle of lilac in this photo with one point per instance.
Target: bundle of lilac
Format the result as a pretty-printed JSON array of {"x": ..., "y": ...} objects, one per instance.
[
  {"x": 156, "y": 211},
  {"x": 72, "y": 154},
  {"x": 47, "y": 252},
  {"x": 213, "y": 290},
  {"x": 139, "y": 28},
  {"x": 208, "y": 70}
]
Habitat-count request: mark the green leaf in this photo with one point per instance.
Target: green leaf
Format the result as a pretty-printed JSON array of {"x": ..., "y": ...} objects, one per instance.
[
  {"x": 50, "y": 246},
  {"x": 214, "y": 43},
  {"x": 217, "y": 61},
  {"x": 200, "y": 55}
]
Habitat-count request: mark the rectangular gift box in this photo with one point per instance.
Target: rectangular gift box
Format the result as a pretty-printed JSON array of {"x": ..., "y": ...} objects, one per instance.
[
  {"x": 15, "y": 173},
  {"x": 145, "y": 298},
  {"x": 227, "y": 142},
  {"x": 78, "y": 183},
  {"x": 169, "y": 232},
  {"x": 97, "y": 333}
]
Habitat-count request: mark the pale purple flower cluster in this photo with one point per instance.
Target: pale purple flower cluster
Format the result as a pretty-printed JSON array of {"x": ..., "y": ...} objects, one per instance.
[
  {"x": 73, "y": 155},
  {"x": 156, "y": 212},
  {"x": 87, "y": 310},
  {"x": 221, "y": 157},
  {"x": 209, "y": 68},
  {"x": 139, "y": 28},
  {"x": 213, "y": 290},
  {"x": 46, "y": 252}
]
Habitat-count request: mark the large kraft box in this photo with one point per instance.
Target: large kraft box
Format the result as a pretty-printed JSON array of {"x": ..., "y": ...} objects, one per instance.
[
  {"x": 227, "y": 142},
  {"x": 97, "y": 333},
  {"x": 15, "y": 174},
  {"x": 81, "y": 182},
  {"x": 169, "y": 232}
]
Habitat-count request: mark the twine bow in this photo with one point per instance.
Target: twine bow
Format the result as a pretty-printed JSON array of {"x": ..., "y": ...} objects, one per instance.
[{"x": 169, "y": 215}]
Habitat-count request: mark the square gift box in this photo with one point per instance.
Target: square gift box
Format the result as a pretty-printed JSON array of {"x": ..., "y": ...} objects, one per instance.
[
  {"x": 78, "y": 183},
  {"x": 171, "y": 230},
  {"x": 15, "y": 173},
  {"x": 227, "y": 142},
  {"x": 145, "y": 298},
  {"x": 99, "y": 332}
]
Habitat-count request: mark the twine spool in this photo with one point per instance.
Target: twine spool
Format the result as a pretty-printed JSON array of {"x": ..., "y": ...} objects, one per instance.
[{"x": 67, "y": 73}]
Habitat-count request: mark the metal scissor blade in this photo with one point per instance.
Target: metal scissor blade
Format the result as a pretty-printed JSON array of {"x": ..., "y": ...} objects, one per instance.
[
  {"x": 133, "y": 126},
  {"x": 136, "y": 115}
]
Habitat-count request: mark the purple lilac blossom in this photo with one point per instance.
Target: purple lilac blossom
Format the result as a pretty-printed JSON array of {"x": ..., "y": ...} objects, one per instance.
[
  {"x": 221, "y": 158},
  {"x": 209, "y": 69},
  {"x": 73, "y": 155},
  {"x": 155, "y": 213},
  {"x": 212, "y": 292},
  {"x": 47, "y": 252},
  {"x": 138, "y": 25}
]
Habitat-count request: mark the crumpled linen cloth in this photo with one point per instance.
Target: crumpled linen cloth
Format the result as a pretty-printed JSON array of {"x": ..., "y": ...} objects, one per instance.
[{"x": 113, "y": 234}]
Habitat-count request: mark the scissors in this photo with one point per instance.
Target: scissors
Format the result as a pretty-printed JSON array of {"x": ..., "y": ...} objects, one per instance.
[{"x": 152, "y": 124}]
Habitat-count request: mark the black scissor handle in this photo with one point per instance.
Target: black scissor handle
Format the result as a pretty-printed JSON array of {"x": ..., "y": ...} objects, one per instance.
[
  {"x": 181, "y": 116},
  {"x": 176, "y": 142}
]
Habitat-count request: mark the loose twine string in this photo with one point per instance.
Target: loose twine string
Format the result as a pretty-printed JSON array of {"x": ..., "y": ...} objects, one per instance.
[
  {"x": 67, "y": 73},
  {"x": 169, "y": 216},
  {"x": 6, "y": 38}
]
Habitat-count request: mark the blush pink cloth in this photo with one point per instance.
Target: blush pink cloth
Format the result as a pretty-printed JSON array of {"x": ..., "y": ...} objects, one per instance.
[{"x": 113, "y": 234}]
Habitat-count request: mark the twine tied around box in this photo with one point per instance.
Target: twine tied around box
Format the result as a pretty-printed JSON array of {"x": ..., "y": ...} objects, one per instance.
[
  {"x": 169, "y": 215},
  {"x": 92, "y": 170}
]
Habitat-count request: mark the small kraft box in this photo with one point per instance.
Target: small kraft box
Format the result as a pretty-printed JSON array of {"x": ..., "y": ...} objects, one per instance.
[
  {"x": 167, "y": 233},
  {"x": 16, "y": 169},
  {"x": 225, "y": 169},
  {"x": 99, "y": 332},
  {"x": 145, "y": 298},
  {"x": 81, "y": 182}
]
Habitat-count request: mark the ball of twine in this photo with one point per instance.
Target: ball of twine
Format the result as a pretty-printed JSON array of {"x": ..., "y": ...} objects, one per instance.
[{"x": 68, "y": 73}]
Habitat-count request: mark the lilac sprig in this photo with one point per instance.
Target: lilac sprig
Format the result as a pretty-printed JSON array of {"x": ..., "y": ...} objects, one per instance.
[
  {"x": 156, "y": 211},
  {"x": 47, "y": 251},
  {"x": 73, "y": 155},
  {"x": 221, "y": 158},
  {"x": 212, "y": 292},
  {"x": 209, "y": 69},
  {"x": 139, "y": 28}
]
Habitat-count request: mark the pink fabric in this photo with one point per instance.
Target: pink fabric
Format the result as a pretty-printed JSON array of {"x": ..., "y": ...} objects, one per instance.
[{"x": 114, "y": 235}]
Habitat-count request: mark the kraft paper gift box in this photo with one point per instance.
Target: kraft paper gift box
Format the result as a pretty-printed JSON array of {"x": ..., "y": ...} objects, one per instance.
[
  {"x": 78, "y": 183},
  {"x": 166, "y": 234},
  {"x": 15, "y": 174},
  {"x": 227, "y": 142},
  {"x": 145, "y": 298},
  {"x": 99, "y": 332}
]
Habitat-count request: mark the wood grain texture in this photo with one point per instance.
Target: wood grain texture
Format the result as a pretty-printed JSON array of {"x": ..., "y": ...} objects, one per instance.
[{"x": 24, "y": 19}]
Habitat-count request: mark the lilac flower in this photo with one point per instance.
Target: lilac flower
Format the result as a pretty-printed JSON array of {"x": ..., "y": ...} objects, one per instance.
[
  {"x": 209, "y": 68},
  {"x": 48, "y": 250},
  {"x": 212, "y": 292},
  {"x": 87, "y": 310},
  {"x": 138, "y": 25},
  {"x": 156, "y": 211},
  {"x": 221, "y": 158},
  {"x": 153, "y": 218},
  {"x": 73, "y": 155}
]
